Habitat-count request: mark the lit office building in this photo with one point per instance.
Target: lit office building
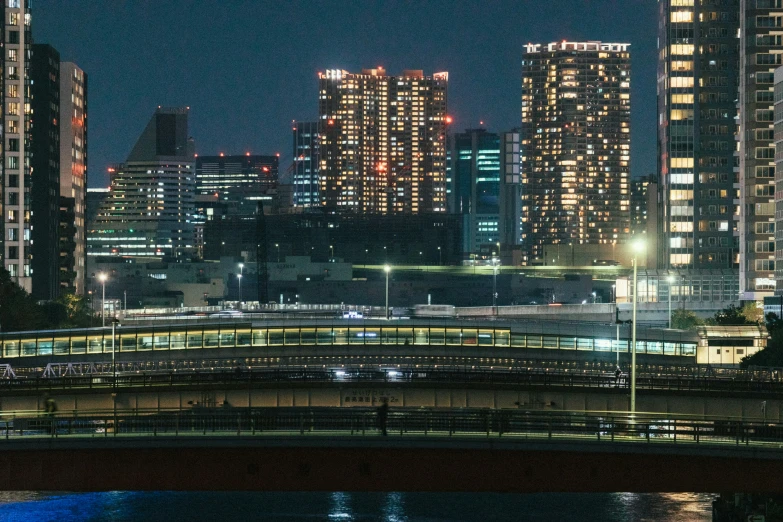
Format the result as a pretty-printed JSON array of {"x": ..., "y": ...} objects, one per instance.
[
  {"x": 575, "y": 135},
  {"x": 237, "y": 181},
  {"x": 151, "y": 201},
  {"x": 305, "y": 180},
  {"x": 15, "y": 204},
  {"x": 697, "y": 92},
  {"x": 382, "y": 141},
  {"x": 485, "y": 181},
  {"x": 475, "y": 170},
  {"x": 761, "y": 51},
  {"x": 73, "y": 175}
]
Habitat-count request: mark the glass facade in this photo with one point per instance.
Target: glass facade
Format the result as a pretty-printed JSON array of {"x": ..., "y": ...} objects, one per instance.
[
  {"x": 576, "y": 112},
  {"x": 306, "y": 156},
  {"x": 475, "y": 171}
]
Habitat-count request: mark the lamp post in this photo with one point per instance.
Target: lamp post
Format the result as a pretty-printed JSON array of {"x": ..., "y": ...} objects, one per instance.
[
  {"x": 494, "y": 283},
  {"x": 440, "y": 256},
  {"x": 638, "y": 248},
  {"x": 239, "y": 279},
  {"x": 277, "y": 245},
  {"x": 114, "y": 323},
  {"x": 387, "y": 269},
  {"x": 331, "y": 250},
  {"x": 102, "y": 277}
]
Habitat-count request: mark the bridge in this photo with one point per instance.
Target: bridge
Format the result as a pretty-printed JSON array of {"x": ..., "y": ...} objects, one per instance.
[{"x": 427, "y": 449}]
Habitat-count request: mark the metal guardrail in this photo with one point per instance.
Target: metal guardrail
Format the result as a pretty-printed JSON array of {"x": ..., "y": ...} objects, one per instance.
[
  {"x": 409, "y": 376},
  {"x": 231, "y": 422}
]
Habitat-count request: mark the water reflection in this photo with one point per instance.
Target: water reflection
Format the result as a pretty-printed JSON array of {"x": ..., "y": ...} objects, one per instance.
[
  {"x": 166, "y": 506},
  {"x": 340, "y": 510},
  {"x": 394, "y": 508}
]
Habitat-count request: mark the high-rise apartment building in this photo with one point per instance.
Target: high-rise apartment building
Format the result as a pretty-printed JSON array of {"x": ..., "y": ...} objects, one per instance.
[
  {"x": 576, "y": 113},
  {"x": 73, "y": 175},
  {"x": 306, "y": 163},
  {"x": 45, "y": 171},
  {"x": 778, "y": 136},
  {"x": 640, "y": 192},
  {"x": 761, "y": 52},
  {"x": 698, "y": 60},
  {"x": 15, "y": 205},
  {"x": 382, "y": 141},
  {"x": 151, "y": 201}
]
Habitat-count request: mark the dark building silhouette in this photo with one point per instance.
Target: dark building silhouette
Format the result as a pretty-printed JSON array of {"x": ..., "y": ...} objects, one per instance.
[{"x": 45, "y": 171}]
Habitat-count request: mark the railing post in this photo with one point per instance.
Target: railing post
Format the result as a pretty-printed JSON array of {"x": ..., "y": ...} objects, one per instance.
[
  {"x": 549, "y": 427},
  {"x": 647, "y": 431},
  {"x": 612, "y": 430},
  {"x": 696, "y": 433},
  {"x": 239, "y": 424},
  {"x": 402, "y": 424},
  {"x": 176, "y": 426}
]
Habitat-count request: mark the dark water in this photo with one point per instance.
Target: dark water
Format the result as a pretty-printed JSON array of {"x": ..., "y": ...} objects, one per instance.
[{"x": 347, "y": 507}]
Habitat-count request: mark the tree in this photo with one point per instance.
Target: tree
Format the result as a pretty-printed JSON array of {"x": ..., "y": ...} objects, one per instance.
[
  {"x": 18, "y": 310},
  {"x": 685, "y": 319}
]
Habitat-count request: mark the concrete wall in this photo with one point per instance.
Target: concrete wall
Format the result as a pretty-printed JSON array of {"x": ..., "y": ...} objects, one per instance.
[{"x": 350, "y": 396}]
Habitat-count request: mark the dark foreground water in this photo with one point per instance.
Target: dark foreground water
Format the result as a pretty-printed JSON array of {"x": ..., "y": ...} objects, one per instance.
[{"x": 346, "y": 507}]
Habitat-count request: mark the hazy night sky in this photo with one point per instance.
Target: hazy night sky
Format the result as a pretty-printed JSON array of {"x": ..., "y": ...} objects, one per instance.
[{"x": 247, "y": 68}]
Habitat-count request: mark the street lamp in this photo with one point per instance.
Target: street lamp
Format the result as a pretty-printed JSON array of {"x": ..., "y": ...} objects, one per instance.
[
  {"x": 331, "y": 250},
  {"x": 638, "y": 249},
  {"x": 494, "y": 283},
  {"x": 387, "y": 269},
  {"x": 114, "y": 323},
  {"x": 594, "y": 297},
  {"x": 102, "y": 277},
  {"x": 440, "y": 256},
  {"x": 670, "y": 279},
  {"x": 277, "y": 245},
  {"x": 239, "y": 282}
]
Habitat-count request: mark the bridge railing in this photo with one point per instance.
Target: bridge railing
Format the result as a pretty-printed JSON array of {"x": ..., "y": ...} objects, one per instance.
[
  {"x": 422, "y": 376},
  {"x": 613, "y": 427}
]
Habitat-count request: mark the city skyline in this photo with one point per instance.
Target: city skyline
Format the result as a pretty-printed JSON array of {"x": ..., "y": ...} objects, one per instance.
[{"x": 271, "y": 75}]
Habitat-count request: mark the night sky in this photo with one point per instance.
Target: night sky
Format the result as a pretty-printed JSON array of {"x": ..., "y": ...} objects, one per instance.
[{"x": 247, "y": 68}]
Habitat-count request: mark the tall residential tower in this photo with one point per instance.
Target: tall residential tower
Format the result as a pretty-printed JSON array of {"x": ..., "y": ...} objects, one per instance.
[
  {"x": 15, "y": 204},
  {"x": 73, "y": 175},
  {"x": 576, "y": 113},
  {"x": 761, "y": 52},
  {"x": 698, "y": 59},
  {"x": 382, "y": 147}
]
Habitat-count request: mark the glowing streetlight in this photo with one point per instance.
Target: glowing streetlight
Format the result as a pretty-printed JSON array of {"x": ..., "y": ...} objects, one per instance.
[
  {"x": 440, "y": 256},
  {"x": 102, "y": 277},
  {"x": 638, "y": 247},
  {"x": 387, "y": 269},
  {"x": 239, "y": 282},
  {"x": 331, "y": 251},
  {"x": 277, "y": 245}
]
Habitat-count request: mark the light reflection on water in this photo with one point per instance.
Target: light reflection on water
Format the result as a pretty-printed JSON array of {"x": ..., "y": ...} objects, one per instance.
[{"x": 125, "y": 506}]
